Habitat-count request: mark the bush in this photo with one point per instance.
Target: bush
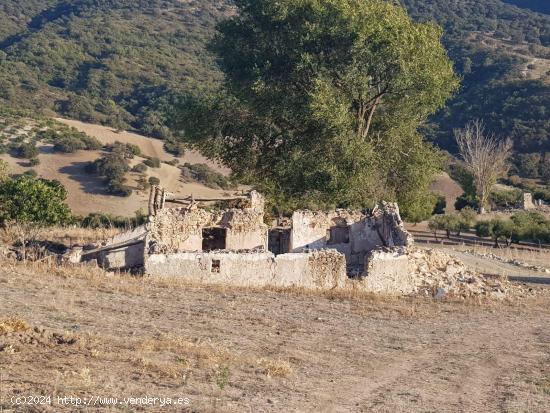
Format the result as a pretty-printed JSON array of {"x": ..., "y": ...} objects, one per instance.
[
  {"x": 139, "y": 168},
  {"x": 204, "y": 174},
  {"x": 99, "y": 220},
  {"x": 125, "y": 150},
  {"x": 31, "y": 172},
  {"x": 118, "y": 188},
  {"x": 68, "y": 145},
  {"x": 153, "y": 180},
  {"x": 506, "y": 199},
  {"x": 69, "y": 140},
  {"x": 467, "y": 201},
  {"x": 27, "y": 150},
  {"x": 31, "y": 200},
  {"x": 152, "y": 162},
  {"x": 112, "y": 167},
  {"x": 453, "y": 223},
  {"x": 174, "y": 147},
  {"x": 440, "y": 205},
  {"x": 523, "y": 226},
  {"x": 34, "y": 162}
]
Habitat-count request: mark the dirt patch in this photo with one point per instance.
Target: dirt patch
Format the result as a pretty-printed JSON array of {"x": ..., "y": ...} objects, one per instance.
[{"x": 261, "y": 350}]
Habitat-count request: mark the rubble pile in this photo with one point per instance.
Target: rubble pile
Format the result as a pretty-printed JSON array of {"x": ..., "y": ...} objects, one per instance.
[{"x": 439, "y": 274}]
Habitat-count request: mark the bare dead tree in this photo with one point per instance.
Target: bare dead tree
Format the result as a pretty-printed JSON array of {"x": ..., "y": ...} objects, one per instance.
[{"x": 485, "y": 157}]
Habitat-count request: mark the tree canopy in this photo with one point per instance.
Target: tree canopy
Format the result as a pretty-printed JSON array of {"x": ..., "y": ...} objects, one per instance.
[
  {"x": 30, "y": 200},
  {"x": 322, "y": 101}
]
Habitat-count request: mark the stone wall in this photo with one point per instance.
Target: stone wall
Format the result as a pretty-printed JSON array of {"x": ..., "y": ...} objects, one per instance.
[
  {"x": 387, "y": 271},
  {"x": 181, "y": 229},
  {"x": 365, "y": 232},
  {"x": 314, "y": 270}
]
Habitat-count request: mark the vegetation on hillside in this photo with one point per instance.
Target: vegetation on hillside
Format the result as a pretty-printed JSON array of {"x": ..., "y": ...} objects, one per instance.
[
  {"x": 494, "y": 47},
  {"x": 124, "y": 62},
  {"x": 111, "y": 61}
]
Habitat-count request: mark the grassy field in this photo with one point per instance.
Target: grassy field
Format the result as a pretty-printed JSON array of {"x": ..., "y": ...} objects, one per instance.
[{"x": 76, "y": 331}]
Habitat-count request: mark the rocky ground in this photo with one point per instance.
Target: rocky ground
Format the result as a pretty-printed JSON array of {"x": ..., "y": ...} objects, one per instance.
[{"x": 74, "y": 331}]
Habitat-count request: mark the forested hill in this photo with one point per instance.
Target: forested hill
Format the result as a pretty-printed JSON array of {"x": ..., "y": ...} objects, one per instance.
[
  {"x": 111, "y": 61},
  {"x": 541, "y": 6},
  {"x": 503, "y": 55},
  {"x": 121, "y": 61}
]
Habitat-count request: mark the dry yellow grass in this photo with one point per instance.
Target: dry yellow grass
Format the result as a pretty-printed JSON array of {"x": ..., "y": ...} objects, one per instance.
[
  {"x": 233, "y": 349},
  {"x": 12, "y": 325},
  {"x": 276, "y": 368}
]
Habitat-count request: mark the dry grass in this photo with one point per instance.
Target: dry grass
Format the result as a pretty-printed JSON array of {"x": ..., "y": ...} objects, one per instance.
[
  {"x": 13, "y": 325},
  {"x": 233, "y": 349},
  {"x": 276, "y": 368}
]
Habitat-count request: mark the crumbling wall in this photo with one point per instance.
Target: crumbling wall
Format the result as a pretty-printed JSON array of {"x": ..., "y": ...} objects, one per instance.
[
  {"x": 387, "y": 271},
  {"x": 123, "y": 258},
  {"x": 315, "y": 270},
  {"x": 181, "y": 229},
  {"x": 366, "y": 232}
]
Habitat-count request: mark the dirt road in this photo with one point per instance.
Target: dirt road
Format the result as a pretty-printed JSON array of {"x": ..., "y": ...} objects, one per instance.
[{"x": 244, "y": 350}]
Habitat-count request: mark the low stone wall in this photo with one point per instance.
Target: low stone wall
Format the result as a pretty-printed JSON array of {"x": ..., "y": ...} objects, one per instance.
[
  {"x": 124, "y": 258},
  {"x": 387, "y": 271},
  {"x": 314, "y": 270}
]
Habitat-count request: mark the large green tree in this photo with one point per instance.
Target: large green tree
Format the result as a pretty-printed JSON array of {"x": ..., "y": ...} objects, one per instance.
[
  {"x": 35, "y": 201},
  {"x": 322, "y": 101}
]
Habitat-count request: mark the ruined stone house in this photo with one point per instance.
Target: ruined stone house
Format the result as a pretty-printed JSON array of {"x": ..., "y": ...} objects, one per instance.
[{"x": 235, "y": 246}]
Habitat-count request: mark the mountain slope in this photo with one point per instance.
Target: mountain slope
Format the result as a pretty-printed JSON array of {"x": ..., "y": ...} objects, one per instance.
[
  {"x": 122, "y": 62},
  {"x": 503, "y": 55},
  {"x": 541, "y": 6},
  {"x": 114, "y": 61}
]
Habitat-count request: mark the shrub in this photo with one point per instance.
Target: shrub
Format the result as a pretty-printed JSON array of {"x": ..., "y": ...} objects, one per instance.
[
  {"x": 118, "y": 188},
  {"x": 467, "y": 200},
  {"x": 204, "y": 174},
  {"x": 140, "y": 168},
  {"x": 68, "y": 145},
  {"x": 31, "y": 200},
  {"x": 69, "y": 140},
  {"x": 153, "y": 180},
  {"x": 523, "y": 226},
  {"x": 506, "y": 199},
  {"x": 125, "y": 150},
  {"x": 31, "y": 172},
  {"x": 112, "y": 167},
  {"x": 174, "y": 147},
  {"x": 99, "y": 220},
  {"x": 34, "y": 162},
  {"x": 440, "y": 205},
  {"x": 27, "y": 150},
  {"x": 152, "y": 162}
]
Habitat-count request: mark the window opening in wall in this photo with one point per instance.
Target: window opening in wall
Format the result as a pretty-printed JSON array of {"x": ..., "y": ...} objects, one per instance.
[
  {"x": 338, "y": 235},
  {"x": 214, "y": 239}
]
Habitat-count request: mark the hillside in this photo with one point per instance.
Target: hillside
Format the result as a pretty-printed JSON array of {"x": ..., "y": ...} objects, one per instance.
[
  {"x": 87, "y": 193},
  {"x": 502, "y": 53},
  {"x": 123, "y": 63},
  {"x": 541, "y": 6},
  {"x": 109, "y": 61}
]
